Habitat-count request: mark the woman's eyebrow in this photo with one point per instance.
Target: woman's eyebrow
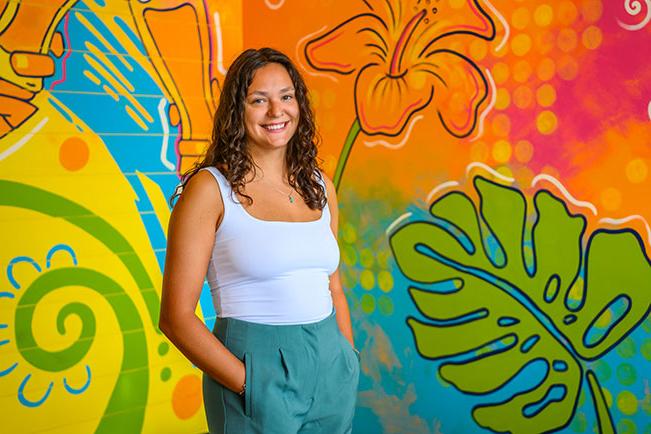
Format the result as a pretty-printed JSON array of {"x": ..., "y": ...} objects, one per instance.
[{"x": 263, "y": 93}]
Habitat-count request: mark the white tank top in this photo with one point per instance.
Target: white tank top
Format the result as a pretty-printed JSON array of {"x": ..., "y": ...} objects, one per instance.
[{"x": 270, "y": 272}]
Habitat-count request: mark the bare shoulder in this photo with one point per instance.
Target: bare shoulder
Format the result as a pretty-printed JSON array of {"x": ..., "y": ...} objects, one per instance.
[{"x": 201, "y": 194}]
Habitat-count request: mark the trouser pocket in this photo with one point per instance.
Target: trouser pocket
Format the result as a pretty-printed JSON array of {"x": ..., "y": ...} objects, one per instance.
[{"x": 248, "y": 381}]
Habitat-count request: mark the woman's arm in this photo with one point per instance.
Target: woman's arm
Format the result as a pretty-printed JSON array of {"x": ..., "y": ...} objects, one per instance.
[
  {"x": 190, "y": 239},
  {"x": 338, "y": 296}
]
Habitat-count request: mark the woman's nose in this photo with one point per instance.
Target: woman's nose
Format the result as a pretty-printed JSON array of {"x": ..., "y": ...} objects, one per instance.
[{"x": 275, "y": 109}]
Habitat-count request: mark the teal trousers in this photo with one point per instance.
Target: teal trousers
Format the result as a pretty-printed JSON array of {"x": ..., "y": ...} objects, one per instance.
[{"x": 300, "y": 379}]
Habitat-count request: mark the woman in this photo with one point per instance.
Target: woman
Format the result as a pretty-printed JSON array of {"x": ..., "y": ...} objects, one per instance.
[{"x": 259, "y": 221}]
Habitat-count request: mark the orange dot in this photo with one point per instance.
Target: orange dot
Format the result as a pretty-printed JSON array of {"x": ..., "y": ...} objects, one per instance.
[
  {"x": 592, "y": 37},
  {"x": 546, "y": 69},
  {"x": 592, "y": 10},
  {"x": 567, "y": 13},
  {"x": 520, "y": 18},
  {"x": 567, "y": 68},
  {"x": 500, "y": 72},
  {"x": 545, "y": 42},
  {"x": 501, "y": 125},
  {"x": 521, "y": 44},
  {"x": 73, "y": 154},
  {"x": 522, "y": 97},
  {"x": 567, "y": 40},
  {"x": 521, "y": 71},
  {"x": 187, "y": 396},
  {"x": 523, "y": 151}
]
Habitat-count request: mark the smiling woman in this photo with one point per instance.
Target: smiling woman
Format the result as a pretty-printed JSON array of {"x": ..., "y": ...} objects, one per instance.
[{"x": 258, "y": 219}]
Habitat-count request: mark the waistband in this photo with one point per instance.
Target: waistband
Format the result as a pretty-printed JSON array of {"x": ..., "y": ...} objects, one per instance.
[{"x": 240, "y": 333}]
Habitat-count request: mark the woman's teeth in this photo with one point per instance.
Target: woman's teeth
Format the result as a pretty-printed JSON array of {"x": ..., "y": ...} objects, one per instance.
[{"x": 275, "y": 127}]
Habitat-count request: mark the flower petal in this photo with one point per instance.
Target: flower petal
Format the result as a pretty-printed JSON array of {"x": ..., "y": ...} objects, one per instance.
[
  {"x": 385, "y": 103},
  {"x": 460, "y": 89},
  {"x": 445, "y": 20},
  {"x": 350, "y": 45}
]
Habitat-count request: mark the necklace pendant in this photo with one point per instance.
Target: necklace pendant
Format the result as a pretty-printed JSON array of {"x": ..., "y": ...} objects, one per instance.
[{"x": 291, "y": 199}]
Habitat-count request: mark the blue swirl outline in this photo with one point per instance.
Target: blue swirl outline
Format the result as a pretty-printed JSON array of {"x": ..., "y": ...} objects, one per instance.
[{"x": 82, "y": 389}]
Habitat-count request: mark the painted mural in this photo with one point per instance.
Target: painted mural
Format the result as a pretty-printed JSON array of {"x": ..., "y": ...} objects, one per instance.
[{"x": 492, "y": 163}]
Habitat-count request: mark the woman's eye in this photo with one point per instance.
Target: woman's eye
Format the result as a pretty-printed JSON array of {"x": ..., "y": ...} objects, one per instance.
[
  {"x": 288, "y": 97},
  {"x": 257, "y": 101}
]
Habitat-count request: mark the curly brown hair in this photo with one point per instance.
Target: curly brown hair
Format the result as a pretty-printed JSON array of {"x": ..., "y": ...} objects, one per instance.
[{"x": 228, "y": 146}]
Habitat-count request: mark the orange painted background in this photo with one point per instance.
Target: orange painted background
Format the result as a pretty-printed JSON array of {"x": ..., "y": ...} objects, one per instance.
[{"x": 492, "y": 161}]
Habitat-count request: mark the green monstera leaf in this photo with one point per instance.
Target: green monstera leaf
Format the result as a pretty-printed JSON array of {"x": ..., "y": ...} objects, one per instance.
[{"x": 500, "y": 297}]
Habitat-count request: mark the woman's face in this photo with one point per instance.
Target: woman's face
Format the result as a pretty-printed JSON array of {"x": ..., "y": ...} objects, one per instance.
[{"x": 271, "y": 112}]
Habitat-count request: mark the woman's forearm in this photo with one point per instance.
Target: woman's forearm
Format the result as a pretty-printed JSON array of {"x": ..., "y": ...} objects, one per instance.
[{"x": 190, "y": 335}]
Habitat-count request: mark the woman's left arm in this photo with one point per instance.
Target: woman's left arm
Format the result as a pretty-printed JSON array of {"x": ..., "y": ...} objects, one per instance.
[{"x": 338, "y": 296}]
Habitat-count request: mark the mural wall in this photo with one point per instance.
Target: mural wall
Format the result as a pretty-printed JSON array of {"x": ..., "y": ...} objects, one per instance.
[{"x": 492, "y": 162}]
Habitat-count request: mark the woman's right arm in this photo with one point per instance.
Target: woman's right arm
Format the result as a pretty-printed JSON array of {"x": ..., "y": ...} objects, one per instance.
[{"x": 190, "y": 239}]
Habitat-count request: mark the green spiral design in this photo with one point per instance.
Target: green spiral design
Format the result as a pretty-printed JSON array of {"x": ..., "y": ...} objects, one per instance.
[
  {"x": 126, "y": 408},
  {"x": 130, "y": 393}
]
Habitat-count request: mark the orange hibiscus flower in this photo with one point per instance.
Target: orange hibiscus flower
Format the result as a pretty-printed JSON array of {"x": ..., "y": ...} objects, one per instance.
[{"x": 403, "y": 54}]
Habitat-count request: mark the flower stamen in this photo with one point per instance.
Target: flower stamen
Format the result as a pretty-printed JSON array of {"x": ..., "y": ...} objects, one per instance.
[{"x": 396, "y": 59}]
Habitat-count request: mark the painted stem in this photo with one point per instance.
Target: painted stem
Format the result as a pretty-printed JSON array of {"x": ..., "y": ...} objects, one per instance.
[
  {"x": 345, "y": 152},
  {"x": 601, "y": 408}
]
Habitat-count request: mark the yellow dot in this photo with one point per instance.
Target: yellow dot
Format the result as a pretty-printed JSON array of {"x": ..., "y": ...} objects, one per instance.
[
  {"x": 522, "y": 97},
  {"x": 520, "y": 18},
  {"x": 592, "y": 37},
  {"x": 567, "y": 13},
  {"x": 500, "y": 72},
  {"x": 627, "y": 403},
  {"x": 546, "y": 122},
  {"x": 521, "y": 71},
  {"x": 611, "y": 199},
  {"x": 567, "y": 40},
  {"x": 546, "y": 69},
  {"x": 502, "y": 99},
  {"x": 567, "y": 68},
  {"x": 592, "y": 10},
  {"x": 501, "y": 125},
  {"x": 479, "y": 151},
  {"x": 546, "y": 95},
  {"x": 501, "y": 151},
  {"x": 523, "y": 151},
  {"x": 545, "y": 42},
  {"x": 478, "y": 49},
  {"x": 505, "y": 171},
  {"x": 636, "y": 171},
  {"x": 521, "y": 44},
  {"x": 367, "y": 279},
  {"x": 385, "y": 281},
  {"x": 543, "y": 15}
]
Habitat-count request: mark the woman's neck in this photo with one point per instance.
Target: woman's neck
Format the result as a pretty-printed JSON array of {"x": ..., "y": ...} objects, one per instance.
[{"x": 270, "y": 165}]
